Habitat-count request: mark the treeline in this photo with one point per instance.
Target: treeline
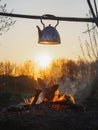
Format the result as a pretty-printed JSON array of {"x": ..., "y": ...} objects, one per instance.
[
  {"x": 9, "y": 68},
  {"x": 23, "y": 78}
]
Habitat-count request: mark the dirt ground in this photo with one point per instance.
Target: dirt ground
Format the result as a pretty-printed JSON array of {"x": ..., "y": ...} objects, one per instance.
[{"x": 44, "y": 118}]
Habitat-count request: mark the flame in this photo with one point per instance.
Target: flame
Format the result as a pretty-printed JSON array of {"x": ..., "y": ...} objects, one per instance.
[
  {"x": 60, "y": 98},
  {"x": 57, "y": 97},
  {"x": 72, "y": 99},
  {"x": 29, "y": 101}
]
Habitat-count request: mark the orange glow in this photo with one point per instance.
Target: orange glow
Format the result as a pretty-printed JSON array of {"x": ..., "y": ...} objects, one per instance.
[
  {"x": 58, "y": 98},
  {"x": 43, "y": 60},
  {"x": 29, "y": 101},
  {"x": 72, "y": 99}
]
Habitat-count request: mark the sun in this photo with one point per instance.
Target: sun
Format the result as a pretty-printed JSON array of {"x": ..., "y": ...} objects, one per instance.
[{"x": 44, "y": 60}]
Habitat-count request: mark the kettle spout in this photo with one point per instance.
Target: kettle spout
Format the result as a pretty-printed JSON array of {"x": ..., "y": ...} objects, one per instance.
[{"x": 39, "y": 32}]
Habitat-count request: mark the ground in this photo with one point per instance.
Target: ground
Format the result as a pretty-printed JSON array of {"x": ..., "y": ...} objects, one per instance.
[
  {"x": 40, "y": 117},
  {"x": 15, "y": 115}
]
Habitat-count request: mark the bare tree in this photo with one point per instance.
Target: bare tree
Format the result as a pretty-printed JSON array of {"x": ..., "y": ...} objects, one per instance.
[{"x": 5, "y": 21}]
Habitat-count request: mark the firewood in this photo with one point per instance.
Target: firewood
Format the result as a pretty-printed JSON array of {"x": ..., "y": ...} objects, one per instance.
[
  {"x": 36, "y": 96},
  {"x": 50, "y": 92}
]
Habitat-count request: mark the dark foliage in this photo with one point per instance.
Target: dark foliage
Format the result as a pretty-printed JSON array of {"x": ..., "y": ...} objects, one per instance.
[{"x": 18, "y": 85}]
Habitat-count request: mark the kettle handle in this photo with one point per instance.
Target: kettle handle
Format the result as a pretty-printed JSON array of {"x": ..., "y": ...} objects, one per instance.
[{"x": 48, "y": 16}]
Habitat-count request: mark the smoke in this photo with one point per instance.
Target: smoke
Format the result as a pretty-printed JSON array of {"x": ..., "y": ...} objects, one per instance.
[
  {"x": 79, "y": 88},
  {"x": 66, "y": 86}
]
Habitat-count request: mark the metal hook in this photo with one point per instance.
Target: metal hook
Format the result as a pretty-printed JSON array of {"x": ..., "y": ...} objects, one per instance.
[{"x": 47, "y": 16}]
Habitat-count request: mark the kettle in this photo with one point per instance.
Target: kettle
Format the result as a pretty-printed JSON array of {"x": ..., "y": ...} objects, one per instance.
[{"x": 49, "y": 35}]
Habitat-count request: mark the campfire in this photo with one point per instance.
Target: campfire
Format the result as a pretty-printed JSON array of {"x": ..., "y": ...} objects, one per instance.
[
  {"x": 51, "y": 97},
  {"x": 46, "y": 99},
  {"x": 57, "y": 98}
]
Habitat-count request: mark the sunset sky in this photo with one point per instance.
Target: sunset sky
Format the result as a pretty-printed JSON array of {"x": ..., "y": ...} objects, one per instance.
[{"x": 20, "y": 42}]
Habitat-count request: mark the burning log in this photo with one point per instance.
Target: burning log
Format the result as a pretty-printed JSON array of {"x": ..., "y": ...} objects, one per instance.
[
  {"x": 65, "y": 102},
  {"x": 48, "y": 94},
  {"x": 53, "y": 100},
  {"x": 34, "y": 99},
  {"x": 36, "y": 96}
]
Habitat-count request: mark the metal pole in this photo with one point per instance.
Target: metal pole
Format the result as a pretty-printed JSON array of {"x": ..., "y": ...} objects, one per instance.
[
  {"x": 92, "y": 11},
  {"x": 71, "y": 19},
  {"x": 91, "y": 8},
  {"x": 96, "y": 8}
]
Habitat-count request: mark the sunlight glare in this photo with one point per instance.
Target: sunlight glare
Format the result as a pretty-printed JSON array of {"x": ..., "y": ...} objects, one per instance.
[{"x": 44, "y": 60}]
